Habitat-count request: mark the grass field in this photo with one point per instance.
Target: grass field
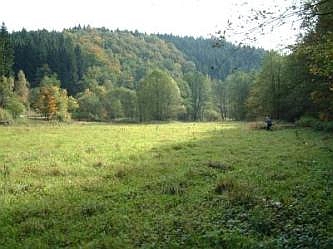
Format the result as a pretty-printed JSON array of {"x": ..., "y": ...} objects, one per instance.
[{"x": 178, "y": 185}]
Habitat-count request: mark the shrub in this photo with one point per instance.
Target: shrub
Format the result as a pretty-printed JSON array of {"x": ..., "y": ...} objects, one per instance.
[
  {"x": 328, "y": 126},
  {"x": 212, "y": 115},
  {"x": 5, "y": 115},
  {"x": 63, "y": 116},
  {"x": 316, "y": 124},
  {"x": 306, "y": 121},
  {"x": 15, "y": 107}
]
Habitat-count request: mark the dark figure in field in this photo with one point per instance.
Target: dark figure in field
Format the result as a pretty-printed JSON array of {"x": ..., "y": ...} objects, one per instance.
[{"x": 269, "y": 123}]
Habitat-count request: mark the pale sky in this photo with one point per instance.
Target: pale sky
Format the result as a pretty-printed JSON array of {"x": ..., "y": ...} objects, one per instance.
[{"x": 180, "y": 17}]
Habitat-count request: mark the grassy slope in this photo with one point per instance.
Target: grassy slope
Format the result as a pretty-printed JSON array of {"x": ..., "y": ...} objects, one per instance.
[{"x": 165, "y": 186}]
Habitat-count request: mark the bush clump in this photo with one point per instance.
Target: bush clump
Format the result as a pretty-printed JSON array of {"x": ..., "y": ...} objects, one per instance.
[
  {"x": 316, "y": 124},
  {"x": 5, "y": 116}
]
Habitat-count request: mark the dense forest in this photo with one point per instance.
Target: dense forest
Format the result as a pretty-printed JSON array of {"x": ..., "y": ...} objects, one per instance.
[
  {"x": 217, "y": 59},
  {"x": 98, "y": 74},
  {"x": 101, "y": 75}
]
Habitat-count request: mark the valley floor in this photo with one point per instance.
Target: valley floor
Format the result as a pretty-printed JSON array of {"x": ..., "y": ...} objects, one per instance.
[{"x": 177, "y": 185}]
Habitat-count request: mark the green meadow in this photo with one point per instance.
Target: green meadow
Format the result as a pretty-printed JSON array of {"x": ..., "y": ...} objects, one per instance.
[{"x": 176, "y": 185}]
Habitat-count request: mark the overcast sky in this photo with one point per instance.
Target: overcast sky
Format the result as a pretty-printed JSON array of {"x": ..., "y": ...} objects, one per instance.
[{"x": 180, "y": 17}]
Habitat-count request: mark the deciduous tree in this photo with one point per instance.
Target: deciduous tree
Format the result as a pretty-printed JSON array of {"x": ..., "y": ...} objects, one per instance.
[
  {"x": 199, "y": 94},
  {"x": 158, "y": 97},
  {"x": 21, "y": 88}
]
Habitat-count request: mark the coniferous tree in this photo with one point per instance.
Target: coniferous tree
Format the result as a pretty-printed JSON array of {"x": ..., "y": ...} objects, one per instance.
[
  {"x": 6, "y": 90},
  {"x": 6, "y": 52}
]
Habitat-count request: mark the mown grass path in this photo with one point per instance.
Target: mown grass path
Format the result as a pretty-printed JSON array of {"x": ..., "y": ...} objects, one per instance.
[{"x": 178, "y": 185}]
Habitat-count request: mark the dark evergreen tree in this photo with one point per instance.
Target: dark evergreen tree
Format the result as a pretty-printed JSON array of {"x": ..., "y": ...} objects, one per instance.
[
  {"x": 35, "y": 49},
  {"x": 6, "y": 52}
]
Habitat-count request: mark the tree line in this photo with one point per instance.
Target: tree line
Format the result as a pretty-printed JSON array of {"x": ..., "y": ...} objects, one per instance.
[
  {"x": 101, "y": 75},
  {"x": 300, "y": 85}
]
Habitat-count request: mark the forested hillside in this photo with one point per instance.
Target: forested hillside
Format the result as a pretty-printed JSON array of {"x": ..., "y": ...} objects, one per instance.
[
  {"x": 102, "y": 75},
  {"x": 106, "y": 73},
  {"x": 217, "y": 59},
  {"x": 122, "y": 57}
]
